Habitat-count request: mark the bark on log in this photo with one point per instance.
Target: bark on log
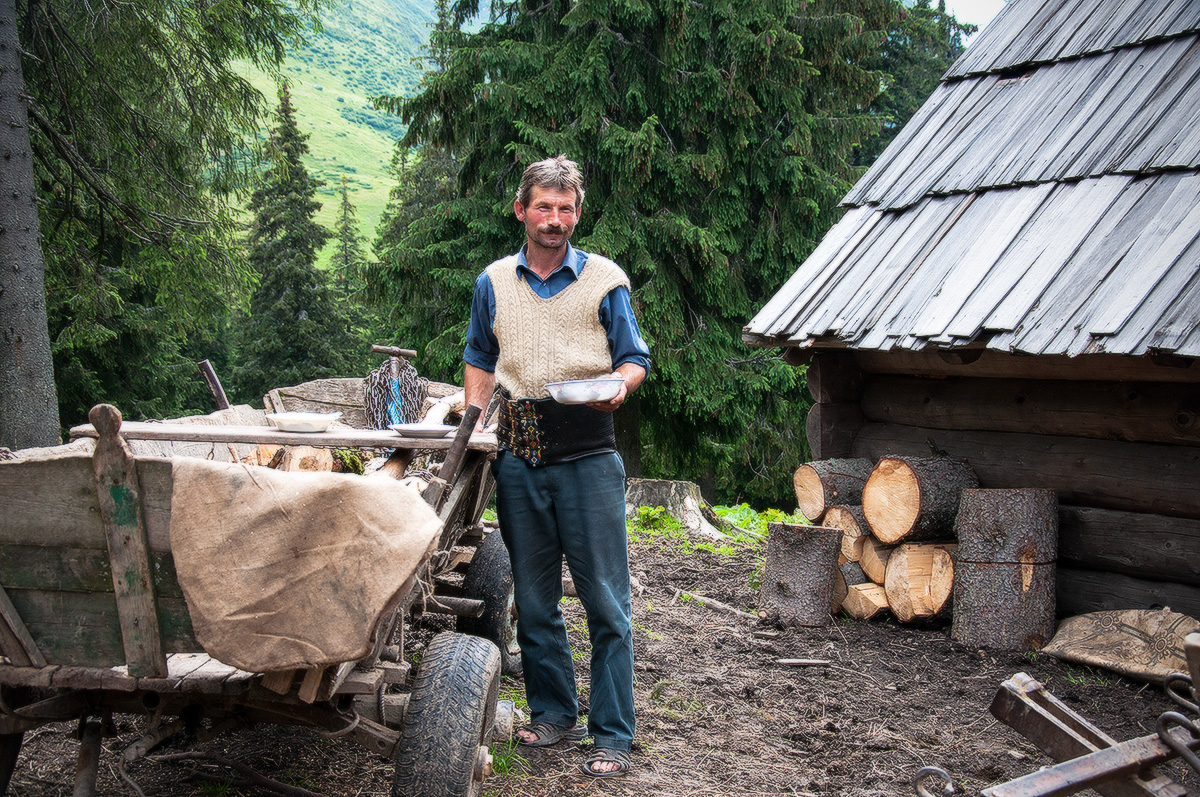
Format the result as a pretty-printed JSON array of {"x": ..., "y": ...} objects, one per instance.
[
  {"x": 1136, "y": 544},
  {"x": 1083, "y": 591},
  {"x": 1137, "y": 411},
  {"x": 1004, "y": 606},
  {"x": 854, "y": 528},
  {"x": 1133, "y": 477},
  {"x": 915, "y": 498},
  {"x": 853, "y": 573},
  {"x": 910, "y": 584},
  {"x": 820, "y": 485},
  {"x": 1016, "y": 526},
  {"x": 798, "y": 573},
  {"x": 864, "y": 601},
  {"x": 874, "y": 559}
]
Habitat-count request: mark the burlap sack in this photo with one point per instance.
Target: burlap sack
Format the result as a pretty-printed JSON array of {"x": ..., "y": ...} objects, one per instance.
[
  {"x": 289, "y": 570},
  {"x": 1140, "y": 643}
]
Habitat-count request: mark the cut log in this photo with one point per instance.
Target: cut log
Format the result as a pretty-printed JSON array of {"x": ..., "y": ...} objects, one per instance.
[
  {"x": 1015, "y": 526},
  {"x": 306, "y": 458},
  {"x": 798, "y": 573},
  {"x": 915, "y": 498},
  {"x": 1004, "y": 606},
  {"x": 864, "y": 601},
  {"x": 909, "y": 581},
  {"x": 874, "y": 559},
  {"x": 853, "y": 573},
  {"x": 822, "y": 484},
  {"x": 854, "y": 528},
  {"x": 942, "y": 585},
  {"x": 839, "y": 590}
]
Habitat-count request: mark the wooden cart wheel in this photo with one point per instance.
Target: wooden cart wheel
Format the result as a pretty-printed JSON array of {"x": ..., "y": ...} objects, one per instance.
[
  {"x": 443, "y": 749},
  {"x": 490, "y": 580}
]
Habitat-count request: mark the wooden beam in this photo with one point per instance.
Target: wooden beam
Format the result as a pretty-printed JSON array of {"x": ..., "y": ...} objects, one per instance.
[
  {"x": 994, "y": 364},
  {"x": 121, "y": 512},
  {"x": 265, "y": 435},
  {"x": 15, "y": 640},
  {"x": 831, "y": 429},
  {"x": 1137, "y": 544},
  {"x": 1134, "y": 411},
  {"x": 1135, "y": 477},
  {"x": 834, "y": 376},
  {"x": 1082, "y": 591}
]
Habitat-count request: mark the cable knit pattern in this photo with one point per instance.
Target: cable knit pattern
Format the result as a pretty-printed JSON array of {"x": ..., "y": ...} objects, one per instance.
[{"x": 549, "y": 340}]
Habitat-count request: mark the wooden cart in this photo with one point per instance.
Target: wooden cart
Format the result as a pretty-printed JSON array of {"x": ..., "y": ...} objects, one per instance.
[{"x": 82, "y": 639}]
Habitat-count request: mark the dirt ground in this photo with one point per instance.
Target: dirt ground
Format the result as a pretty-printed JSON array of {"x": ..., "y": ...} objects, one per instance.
[{"x": 717, "y": 714}]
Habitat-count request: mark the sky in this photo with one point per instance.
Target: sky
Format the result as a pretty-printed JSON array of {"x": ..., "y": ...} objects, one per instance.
[{"x": 978, "y": 12}]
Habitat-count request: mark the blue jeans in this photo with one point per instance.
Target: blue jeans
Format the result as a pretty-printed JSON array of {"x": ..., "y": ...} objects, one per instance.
[{"x": 577, "y": 509}]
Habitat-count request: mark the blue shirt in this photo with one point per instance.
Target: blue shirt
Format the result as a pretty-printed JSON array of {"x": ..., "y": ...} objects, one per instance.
[{"x": 616, "y": 314}]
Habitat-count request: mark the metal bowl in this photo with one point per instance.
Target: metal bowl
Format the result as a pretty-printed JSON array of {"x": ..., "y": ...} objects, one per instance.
[{"x": 585, "y": 391}]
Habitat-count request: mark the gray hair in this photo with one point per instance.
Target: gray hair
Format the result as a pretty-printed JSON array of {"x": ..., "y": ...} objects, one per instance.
[{"x": 558, "y": 172}]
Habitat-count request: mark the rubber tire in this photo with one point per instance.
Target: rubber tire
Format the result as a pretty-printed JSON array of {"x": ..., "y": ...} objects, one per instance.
[
  {"x": 489, "y": 579},
  {"x": 450, "y": 715},
  {"x": 10, "y": 748}
]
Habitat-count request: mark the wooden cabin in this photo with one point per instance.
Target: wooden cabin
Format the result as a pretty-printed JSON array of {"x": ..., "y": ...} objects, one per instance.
[{"x": 1016, "y": 282}]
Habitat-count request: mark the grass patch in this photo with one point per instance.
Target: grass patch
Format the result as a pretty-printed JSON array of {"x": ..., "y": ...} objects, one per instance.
[{"x": 508, "y": 761}]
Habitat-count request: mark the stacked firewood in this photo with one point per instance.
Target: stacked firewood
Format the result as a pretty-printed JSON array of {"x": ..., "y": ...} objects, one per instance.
[
  {"x": 897, "y": 522},
  {"x": 914, "y": 535}
]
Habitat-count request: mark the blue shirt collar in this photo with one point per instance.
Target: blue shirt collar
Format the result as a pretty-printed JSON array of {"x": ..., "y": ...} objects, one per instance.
[{"x": 573, "y": 260}]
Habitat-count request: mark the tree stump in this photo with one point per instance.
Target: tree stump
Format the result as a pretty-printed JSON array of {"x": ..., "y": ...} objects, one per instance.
[
  {"x": 914, "y": 499},
  {"x": 854, "y": 528},
  {"x": 909, "y": 582},
  {"x": 874, "y": 559},
  {"x": 798, "y": 573},
  {"x": 682, "y": 500},
  {"x": 821, "y": 484},
  {"x": 1004, "y": 590},
  {"x": 864, "y": 601}
]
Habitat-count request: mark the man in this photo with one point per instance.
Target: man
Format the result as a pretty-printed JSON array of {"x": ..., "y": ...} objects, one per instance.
[{"x": 550, "y": 313}]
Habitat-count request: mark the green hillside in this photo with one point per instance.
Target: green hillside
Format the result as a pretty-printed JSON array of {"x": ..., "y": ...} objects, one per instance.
[{"x": 367, "y": 48}]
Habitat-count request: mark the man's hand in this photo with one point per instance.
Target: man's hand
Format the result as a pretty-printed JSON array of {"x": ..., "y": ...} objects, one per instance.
[{"x": 631, "y": 376}]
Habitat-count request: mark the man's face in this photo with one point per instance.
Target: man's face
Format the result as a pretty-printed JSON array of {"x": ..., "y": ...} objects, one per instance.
[{"x": 550, "y": 217}]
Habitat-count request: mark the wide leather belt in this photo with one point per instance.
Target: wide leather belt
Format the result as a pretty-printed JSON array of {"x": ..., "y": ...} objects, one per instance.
[{"x": 544, "y": 432}]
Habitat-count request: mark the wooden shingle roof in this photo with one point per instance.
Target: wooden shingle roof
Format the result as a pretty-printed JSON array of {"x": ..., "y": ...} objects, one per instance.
[{"x": 1032, "y": 205}]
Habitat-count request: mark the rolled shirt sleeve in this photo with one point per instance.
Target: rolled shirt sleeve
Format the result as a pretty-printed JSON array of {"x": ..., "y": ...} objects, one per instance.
[{"x": 483, "y": 350}]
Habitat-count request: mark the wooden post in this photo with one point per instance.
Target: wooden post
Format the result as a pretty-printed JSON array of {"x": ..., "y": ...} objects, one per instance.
[
  {"x": 798, "y": 573},
  {"x": 214, "y": 384},
  {"x": 121, "y": 512},
  {"x": 1004, "y": 590}
]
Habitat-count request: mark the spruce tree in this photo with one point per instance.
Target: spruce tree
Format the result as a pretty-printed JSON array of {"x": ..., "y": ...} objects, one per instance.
[
  {"x": 921, "y": 45},
  {"x": 296, "y": 330},
  {"x": 714, "y": 138}
]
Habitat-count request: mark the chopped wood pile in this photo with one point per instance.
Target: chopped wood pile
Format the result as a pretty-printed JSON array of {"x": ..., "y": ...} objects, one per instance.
[{"x": 920, "y": 539}]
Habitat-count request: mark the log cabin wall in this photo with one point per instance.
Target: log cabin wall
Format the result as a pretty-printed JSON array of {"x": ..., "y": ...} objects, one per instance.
[{"x": 1118, "y": 438}]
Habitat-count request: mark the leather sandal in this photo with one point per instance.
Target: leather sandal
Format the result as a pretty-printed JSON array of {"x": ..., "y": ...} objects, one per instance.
[
  {"x": 548, "y": 734},
  {"x": 607, "y": 754}
]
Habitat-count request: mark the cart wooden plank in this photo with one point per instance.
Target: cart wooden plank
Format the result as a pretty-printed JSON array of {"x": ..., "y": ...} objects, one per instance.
[{"x": 264, "y": 435}]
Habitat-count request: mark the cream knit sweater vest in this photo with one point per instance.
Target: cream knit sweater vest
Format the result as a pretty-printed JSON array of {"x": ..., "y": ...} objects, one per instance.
[{"x": 549, "y": 340}]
